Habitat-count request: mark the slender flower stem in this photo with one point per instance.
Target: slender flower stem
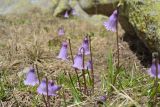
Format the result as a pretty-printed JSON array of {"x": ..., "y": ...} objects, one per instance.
[
  {"x": 83, "y": 72},
  {"x": 36, "y": 67},
  {"x": 117, "y": 43},
  {"x": 73, "y": 63},
  {"x": 90, "y": 82},
  {"x": 47, "y": 92},
  {"x": 71, "y": 50},
  {"x": 156, "y": 80},
  {"x": 37, "y": 72},
  {"x": 92, "y": 71}
]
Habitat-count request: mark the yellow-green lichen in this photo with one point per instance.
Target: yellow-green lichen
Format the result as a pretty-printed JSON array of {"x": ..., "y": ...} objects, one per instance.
[{"x": 144, "y": 16}]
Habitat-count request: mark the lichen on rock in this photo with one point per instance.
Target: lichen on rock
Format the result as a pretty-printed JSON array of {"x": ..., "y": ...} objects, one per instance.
[{"x": 143, "y": 16}]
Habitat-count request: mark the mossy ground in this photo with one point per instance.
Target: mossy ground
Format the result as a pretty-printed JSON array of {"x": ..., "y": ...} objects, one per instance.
[{"x": 33, "y": 36}]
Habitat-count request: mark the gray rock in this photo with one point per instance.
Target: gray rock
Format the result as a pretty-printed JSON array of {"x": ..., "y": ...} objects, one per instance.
[{"x": 22, "y": 6}]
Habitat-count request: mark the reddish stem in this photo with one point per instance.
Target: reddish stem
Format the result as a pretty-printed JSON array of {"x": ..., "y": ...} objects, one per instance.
[
  {"x": 73, "y": 63},
  {"x": 117, "y": 42},
  {"x": 36, "y": 67},
  {"x": 156, "y": 80},
  {"x": 92, "y": 71},
  {"x": 83, "y": 72},
  {"x": 47, "y": 91}
]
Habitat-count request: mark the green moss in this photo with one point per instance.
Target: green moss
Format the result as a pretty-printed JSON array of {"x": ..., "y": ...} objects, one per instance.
[
  {"x": 86, "y": 3},
  {"x": 62, "y": 6},
  {"x": 98, "y": 19},
  {"x": 145, "y": 18},
  {"x": 107, "y": 1}
]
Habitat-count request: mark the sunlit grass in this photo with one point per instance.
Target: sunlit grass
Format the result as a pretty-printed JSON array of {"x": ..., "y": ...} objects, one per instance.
[{"x": 30, "y": 38}]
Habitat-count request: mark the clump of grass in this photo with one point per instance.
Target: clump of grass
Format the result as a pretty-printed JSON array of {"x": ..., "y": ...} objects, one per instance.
[{"x": 34, "y": 52}]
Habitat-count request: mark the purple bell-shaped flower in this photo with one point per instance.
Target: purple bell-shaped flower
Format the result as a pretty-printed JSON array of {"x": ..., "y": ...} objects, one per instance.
[
  {"x": 52, "y": 88},
  {"x": 31, "y": 78},
  {"x": 103, "y": 98},
  {"x": 78, "y": 61},
  {"x": 152, "y": 70},
  {"x": 112, "y": 22},
  {"x": 61, "y": 31},
  {"x": 42, "y": 87},
  {"x": 89, "y": 65},
  {"x": 73, "y": 12},
  {"x": 85, "y": 47},
  {"x": 66, "y": 15},
  {"x": 63, "y": 54}
]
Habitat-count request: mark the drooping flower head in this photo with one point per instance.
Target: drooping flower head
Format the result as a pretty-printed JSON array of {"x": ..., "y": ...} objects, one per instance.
[
  {"x": 42, "y": 87},
  {"x": 85, "y": 47},
  {"x": 152, "y": 70},
  {"x": 112, "y": 21},
  {"x": 73, "y": 12},
  {"x": 61, "y": 31},
  {"x": 78, "y": 61},
  {"x": 102, "y": 99},
  {"x": 63, "y": 54},
  {"x": 31, "y": 78},
  {"x": 89, "y": 65},
  {"x": 66, "y": 15},
  {"x": 52, "y": 88}
]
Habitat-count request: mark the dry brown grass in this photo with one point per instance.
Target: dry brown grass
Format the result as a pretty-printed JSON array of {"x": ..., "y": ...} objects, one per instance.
[{"x": 24, "y": 39}]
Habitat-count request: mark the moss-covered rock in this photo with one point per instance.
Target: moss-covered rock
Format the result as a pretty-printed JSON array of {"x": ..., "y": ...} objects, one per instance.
[
  {"x": 61, "y": 7},
  {"x": 98, "y": 19},
  {"x": 80, "y": 12},
  {"x": 144, "y": 18}
]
